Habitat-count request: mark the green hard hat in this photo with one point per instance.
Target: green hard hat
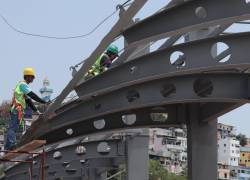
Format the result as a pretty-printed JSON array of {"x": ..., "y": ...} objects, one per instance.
[{"x": 113, "y": 49}]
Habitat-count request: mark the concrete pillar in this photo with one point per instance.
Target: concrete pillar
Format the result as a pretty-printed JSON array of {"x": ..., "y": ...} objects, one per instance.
[
  {"x": 202, "y": 146},
  {"x": 137, "y": 158}
]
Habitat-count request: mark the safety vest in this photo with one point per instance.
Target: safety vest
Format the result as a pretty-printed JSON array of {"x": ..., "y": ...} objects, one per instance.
[
  {"x": 97, "y": 68},
  {"x": 18, "y": 101}
]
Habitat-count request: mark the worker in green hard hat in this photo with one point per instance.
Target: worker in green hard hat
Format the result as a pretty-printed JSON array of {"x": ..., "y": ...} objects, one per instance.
[{"x": 104, "y": 61}]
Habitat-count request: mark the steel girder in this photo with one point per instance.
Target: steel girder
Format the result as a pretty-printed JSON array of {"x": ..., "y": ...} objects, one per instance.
[
  {"x": 141, "y": 101},
  {"x": 73, "y": 159},
  {"x": 124, "y": 20},
  {"x": 198, "y": 58},
  {"x": 187, "y": 17}
]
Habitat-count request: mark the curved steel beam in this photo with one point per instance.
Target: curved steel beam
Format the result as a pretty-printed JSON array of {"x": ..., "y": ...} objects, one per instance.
[
  {"x": 187, "y": 17},
  {"x": 197, "y": 56},
  {"x": 64, "y": 161},
  {"x": 142, "y": 99}
]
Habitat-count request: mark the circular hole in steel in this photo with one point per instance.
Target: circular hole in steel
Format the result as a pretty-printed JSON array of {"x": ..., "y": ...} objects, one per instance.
[
  {"x": 103, "y": 148},
  {"x": 132, "y": 96},
  {"x": 159, "y": 116},
  {"x": 57, "y": 155},
  {"x": 220, "y": 51},
  {"x": 129, "y": 119},
  {"x": 99, "y": 124},
  {"x": 178, "y": 59},
  {"x": 69, "y": 131},
  {"x": 167, "y": 90},
  {"x": 80, "y": 150},
  {"x": 201, "y": 12},
  {"x": 247, "y": 2},
  {"x": 203, "y": 87}
]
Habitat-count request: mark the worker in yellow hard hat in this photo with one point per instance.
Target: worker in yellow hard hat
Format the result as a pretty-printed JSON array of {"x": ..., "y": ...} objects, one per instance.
[{"x": 21, "y": 99}]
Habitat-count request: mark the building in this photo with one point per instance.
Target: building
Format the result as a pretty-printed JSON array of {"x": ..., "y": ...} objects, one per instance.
[
  {"x": 45, "y": 91},
  {"x": 1, "y": 139},
  {"x": 169, "y": 146},
  {"x": 229, "y": 151},
  {"x": 243, "y": 173},
  {"x": 248, "y": 142},
  {"x": 240, "y": 173},
  {"x": 225, "y": 131},
  {"x": 245, "y": 156},
  {"x": 223, "y": 172}
]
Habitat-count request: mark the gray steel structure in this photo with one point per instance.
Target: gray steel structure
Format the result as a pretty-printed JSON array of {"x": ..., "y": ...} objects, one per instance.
[{"x": 153, "y": 91}]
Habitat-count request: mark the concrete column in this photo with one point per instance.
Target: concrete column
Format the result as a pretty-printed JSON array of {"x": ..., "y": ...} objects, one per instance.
[
  {"x": 202, "y": 146},
  {"x": 137, "y": 158}
]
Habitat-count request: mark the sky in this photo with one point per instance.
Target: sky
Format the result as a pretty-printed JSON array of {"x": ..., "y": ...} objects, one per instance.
[{"x": 52, "y": 58}]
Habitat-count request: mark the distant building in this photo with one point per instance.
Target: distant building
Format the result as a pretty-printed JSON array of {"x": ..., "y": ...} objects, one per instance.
[
  {"x": 1, "y": 139},
  {"x": 169, "y": 146},
  {"x": 245, "y": 156},
  {"x": 223, "y": 172},
  {"x": 240, "y": 173},
  {"x": 229, "y": 151},
  {"x": 248, "y": 142},
  {"x": 45, "y": 91},
  {"x": 225, "y": 131}
]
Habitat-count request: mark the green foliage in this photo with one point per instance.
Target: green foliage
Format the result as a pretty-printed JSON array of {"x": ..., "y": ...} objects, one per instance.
[
  {"x": 157, "y": 172},
  {"x": 242, "y": 138}
]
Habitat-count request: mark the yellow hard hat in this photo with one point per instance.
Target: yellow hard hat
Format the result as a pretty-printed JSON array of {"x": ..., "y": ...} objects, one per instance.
[{"x": 29, "y": 72}]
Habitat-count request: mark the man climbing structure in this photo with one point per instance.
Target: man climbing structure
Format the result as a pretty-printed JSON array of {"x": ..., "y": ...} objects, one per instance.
[
  {"x": 103, "y": 62},
  {"x": 21, "y": 99}
]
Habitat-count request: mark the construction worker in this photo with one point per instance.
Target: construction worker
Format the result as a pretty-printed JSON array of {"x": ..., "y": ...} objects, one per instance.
[
  {"x": 21, "y": 99},
  {"x": 104, "y": 61}
]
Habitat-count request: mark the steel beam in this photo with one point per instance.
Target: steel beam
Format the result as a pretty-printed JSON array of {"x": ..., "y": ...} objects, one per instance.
[
  {"x": 137, "y": 158},
  {"x": 72, "y": 158},
  {"x": 202, "y": 145},
  {"x": 187, "y": 17},
  {"x": 109, "y": 108},
  {"x": 198, "y": 59},
  {"x": 114, "y": 32},
  {"x": 211, "y": 111}
]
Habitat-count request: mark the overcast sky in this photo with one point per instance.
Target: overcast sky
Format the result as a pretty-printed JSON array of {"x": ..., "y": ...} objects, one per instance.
[{"x": 52, "y": 58}]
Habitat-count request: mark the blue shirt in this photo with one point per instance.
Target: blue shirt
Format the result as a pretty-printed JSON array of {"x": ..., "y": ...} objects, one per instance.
[{"x": 25, "y": 88}]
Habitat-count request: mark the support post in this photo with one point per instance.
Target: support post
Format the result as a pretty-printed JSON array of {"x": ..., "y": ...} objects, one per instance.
[
  {"x": 202, "y": 146},
  {"x": 137, "y": 158}
]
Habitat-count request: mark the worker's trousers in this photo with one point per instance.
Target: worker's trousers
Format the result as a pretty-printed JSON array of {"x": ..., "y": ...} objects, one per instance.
[{"x": 11, "y": 133}]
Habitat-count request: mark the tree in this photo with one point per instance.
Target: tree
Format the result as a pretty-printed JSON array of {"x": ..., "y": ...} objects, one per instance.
[
  {"x": 4, "y": 114},
  {"x": 157, "y": 172},
  {"x": 242, "y": 138}
]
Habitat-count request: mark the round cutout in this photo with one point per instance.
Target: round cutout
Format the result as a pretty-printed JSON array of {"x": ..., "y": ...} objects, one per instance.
[
  {"x": 167, "y": 90},
  {"x": 80, "y": 150},
  {"x": 99, "y": 124},
  {"x": 201, "y": 12},
  {"x": 132, "y": 96},
  {"x": 57, "y": 155},
  {"x": 178, "y": 59},
  {"x": 129, "y": 119},
  {"x": 203, "y": 87},
  {"x": 69, "y": 131},
  {"x": 221, "y": 52},
  {"x": 103, "y": 148},
  {"x": 159, "y": 117}
]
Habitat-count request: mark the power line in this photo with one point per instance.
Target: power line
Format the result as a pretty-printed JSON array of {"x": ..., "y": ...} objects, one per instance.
[
  {"x": 55, "y": 37},
  {"x": 62, "y": 38}
]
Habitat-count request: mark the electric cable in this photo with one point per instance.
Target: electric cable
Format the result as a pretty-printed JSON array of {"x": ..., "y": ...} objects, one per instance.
[{"x": 66, "y": 37}]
